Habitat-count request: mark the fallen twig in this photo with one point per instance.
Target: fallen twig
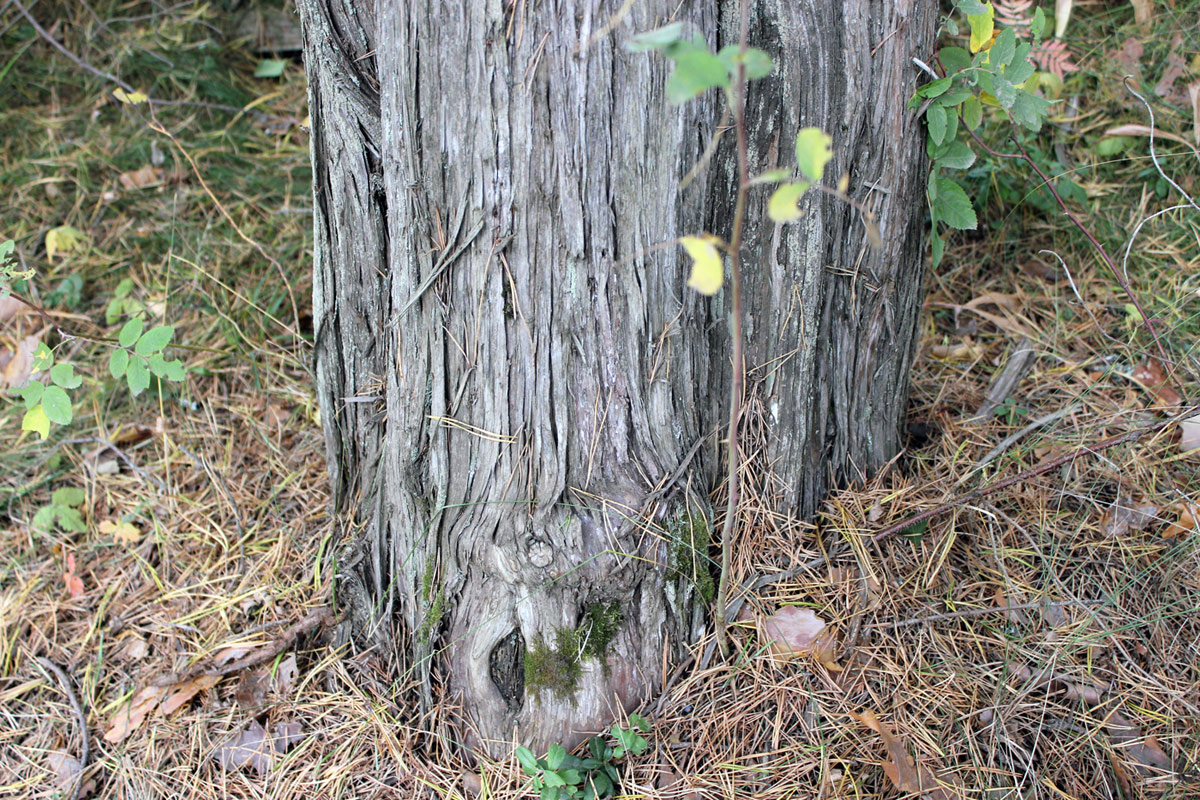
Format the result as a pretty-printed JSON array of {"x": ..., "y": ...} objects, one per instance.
[
  {"x": 317, "y": 618},
  {"x": 80, "y": 720}
]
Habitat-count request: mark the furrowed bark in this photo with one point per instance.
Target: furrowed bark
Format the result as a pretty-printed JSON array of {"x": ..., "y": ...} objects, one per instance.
[{"x": 509, "y": 364}]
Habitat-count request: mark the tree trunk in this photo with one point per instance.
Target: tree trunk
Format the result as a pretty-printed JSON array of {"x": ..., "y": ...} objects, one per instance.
[{"x": 518, "y": 392}]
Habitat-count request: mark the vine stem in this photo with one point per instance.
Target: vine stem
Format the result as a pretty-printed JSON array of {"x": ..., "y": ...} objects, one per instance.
[{"x": 739, "y": 365}]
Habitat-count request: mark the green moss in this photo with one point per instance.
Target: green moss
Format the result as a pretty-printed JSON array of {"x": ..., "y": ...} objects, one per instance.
[
  {"x": 600, "y": 625},
  {"x": 690, "y": 538},
  {"x": 435, "y": 601},
  {"x": 556, "y": 669}
]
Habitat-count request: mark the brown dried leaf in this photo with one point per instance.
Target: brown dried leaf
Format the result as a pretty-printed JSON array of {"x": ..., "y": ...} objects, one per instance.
[
  {"x": 20, "y": 366},
  {"x": 1175, "y": 69},
  {"x": 287, "y": 734},
  {"x": 1184, "y": 526},
  {"x": 1143, "y": 10},
  {"x": 129, "y": 718},
  {"x": 123, "y": 532},
  {"x": 1146, "y": 130},
  {"x": 1153, "y": 377},
  {"x": 793, "y": 632},
  {"x": 252, "y": 689},
  {"x": 250, "y": 746},
  {"x": 285, "y": 676},
  {"x": 66, "y": 769},
  {"x": 1130, "y": 55},
  {"x": 1189, "y": 438},
  {"x": 181, "y": 693},
  {"x": 140, "y": 178},
  {"x": 1121, "y": 519},
  {"x": 1144, "y": 751},
  {"x": 905, "y": 773},
  {"x": 230, "y": 654},
  {"x": 74, "y": 582}
]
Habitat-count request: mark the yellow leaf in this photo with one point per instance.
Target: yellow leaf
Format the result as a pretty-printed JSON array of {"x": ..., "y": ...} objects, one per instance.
[
  {"x": 123, "y": 532},
  {"x": 708, "y": 271},
  {"x": 130, "y": 98},
  {"x": 982, "y": 28},
  {"x": 36, "y": 420},
  {"x": 62, "y": 239},
  {"x": 782, "y": 205}
]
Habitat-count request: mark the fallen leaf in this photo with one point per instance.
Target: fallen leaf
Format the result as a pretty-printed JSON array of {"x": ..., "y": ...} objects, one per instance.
[
  {"x": 792, "y": 631},
  {"x": 285, "y": 676},
  {"x": 63, "y": 239},
  {"x": 74, "y": 582},
  {"x": 19, "y": 368},
  {"x": 1149, "y": 759},
  {"x": 1186, "y": 524},
  {"x": 230, "y": 654},
  {"x": 252, "y": 689},
  {"x": 135, "y": 648},
  {"x": 1130, "y": 55},
  {"x": 1146, "y": 130},
  {"x": 1175, "y": 69},
  {"x": 1124, "y": 518},
  {"x": 1193, "y": 91},
  {"x": 67, "y": 771},
  {"x": 1143, "y": 10},
  {"x": 287, "y": 735},
  {"x": 965, "y": 351},
  {"x": 181, "y": 693},
  {"x": 905, "y": 773},
  {"x": 133, "y": 715},
  {"x": 10, "y": 307},
  {"x": 1062, "y": 13},
  {"x": 250, "y": 746},
  {"x": 123, "y": 532},
  {"x": 140, "y": 178},
  {"x": 1153, "y": 377},
  {"x": 472, "y": 783}
]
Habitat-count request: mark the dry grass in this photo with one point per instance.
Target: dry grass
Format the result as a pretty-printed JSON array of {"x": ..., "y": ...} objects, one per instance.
[{"x": 1029, "y": 645}]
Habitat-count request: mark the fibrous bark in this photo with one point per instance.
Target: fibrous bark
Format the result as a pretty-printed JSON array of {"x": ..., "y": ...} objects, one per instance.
[{"x": 513, "y": 377}]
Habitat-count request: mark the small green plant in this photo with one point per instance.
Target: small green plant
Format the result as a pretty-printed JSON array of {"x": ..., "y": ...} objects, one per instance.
[
  {"x": 993, "y": 72},
  {"x": 62, "y": 511},
  {"x": 561, "y": 775},
  {"x": 8, "y": 269},
  {"x": 48, "y": 401},
  {"x": 141, "y": 353}
]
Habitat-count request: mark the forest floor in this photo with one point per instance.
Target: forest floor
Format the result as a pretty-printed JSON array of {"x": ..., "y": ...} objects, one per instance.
[{"x": 1037, "y": 642}]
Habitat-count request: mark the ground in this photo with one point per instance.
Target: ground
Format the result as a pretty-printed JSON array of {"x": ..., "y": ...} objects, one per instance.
[{"x": 1039, "y": 641}]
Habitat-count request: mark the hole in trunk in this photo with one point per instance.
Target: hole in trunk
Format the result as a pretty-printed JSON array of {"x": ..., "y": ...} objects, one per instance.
[{"x": 507, "y": 667}]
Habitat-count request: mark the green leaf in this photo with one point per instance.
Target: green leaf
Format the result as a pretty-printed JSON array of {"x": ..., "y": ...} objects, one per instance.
[
  {"x": 956, "y": 155},
  {"x": 640, "y": 722},
  {"x": 953, "y": 207},
  {"x": 44, "y": 518},
  {"x": 758, "y": 63},
  {"x": 982, "y": 25},
  {"x": 937, "y": 247},
  {"x": 915, "y": 533},
  {"x": 35, "y": 419},
  {"x": 572, "y": 777},
  {"x": 527, "y": 758},
  {"x": 972, "y": 112},
  {"x": 64, "y": 375},
  {"x": 1037, "y": 25},
  {"x": 596, "y": 747},
  {"x": 1005, "y": 46},
  {"x": 158, "y": 365},
  {"x": 68, "y": 496},
  {"x": 552, "y": 778},
  {"x": 555, "y": 756},
  {"x": 782, "y": 207},
  {"x": 154, "y": 340},
  {"x": 814, "y": 149},
  {"x": 935, "y": 118},
  {"x": 175, "y": 370},
  {"x": 1112, "y": 145},
  {"x": 130, "y": 332},
  {"x": 57, "y": 405},
  {"x": 137, "y": 376},
  {"x": 935, "y": 88},
  {"x": 1021, "y": 67},
  {"x": 43, "y": 357},
  {"x": 69, "y": 519},
  {"x": 954, "y": 59},
  {"x": 123, "y": 288},
  {"x": 955, "y": 97},
  {"x": 118, "y": 360},
  {"x": 611, "y": 771},
  {"x": 1006, "y": 93},
  {"x": 971, "y": 7},
  {"x": 655, "y": 39},
  {"x": 32, "y": 393},
  {"x": 1030, "y": 110},
  {"x": 270, "y": 68},
  {"x": 603, "y": 785},
  {"x": 771, "y": 176},
  {"x": 695, "y": 72}
]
